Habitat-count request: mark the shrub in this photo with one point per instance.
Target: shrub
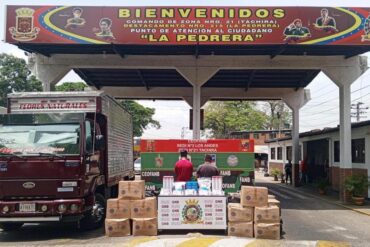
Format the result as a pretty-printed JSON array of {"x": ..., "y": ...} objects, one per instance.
[
  {"x": 357, "y": 185},
  {"x": 275, "y": 172}
]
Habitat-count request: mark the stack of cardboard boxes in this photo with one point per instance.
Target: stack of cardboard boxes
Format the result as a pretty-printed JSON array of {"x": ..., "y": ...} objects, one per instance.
[
  {"x": 256, "y": 215},
  {"x": 131, "y": 206}
]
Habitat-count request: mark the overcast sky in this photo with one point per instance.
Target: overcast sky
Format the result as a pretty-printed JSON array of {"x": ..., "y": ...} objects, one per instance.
[{"x": 322, "y": 111}]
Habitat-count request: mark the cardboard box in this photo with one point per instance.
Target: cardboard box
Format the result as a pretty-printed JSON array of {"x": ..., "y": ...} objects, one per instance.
[
  {"x": 271, "y": 197},
  {"x": 145, "y": 208},
  {"x": 134, "y": 190},
  {"x": 240, "y": 229},
  {"x": 267, "y": 231},
  {"x": 236, "y": 212},
  {"x": 252, "y": 196},
  {"x": 274, "y": 202},
  {"x": 117, "y": 227},
  {"x": 144, "y": 227},
  {"x": 118, "y": 209},
  {"x": 267, "y": 214}
]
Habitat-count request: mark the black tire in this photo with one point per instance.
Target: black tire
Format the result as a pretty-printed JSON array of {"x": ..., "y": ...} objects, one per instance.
[
  {"x": 95, "y": 218},
  {"x": 8, "y": 227}
]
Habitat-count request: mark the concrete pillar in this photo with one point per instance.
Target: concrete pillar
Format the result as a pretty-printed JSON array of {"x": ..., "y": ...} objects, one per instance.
[
  {"x": 295, "y": 145},
  {"x": 48, "y": 74},
  {"x": 196, "y": 112},
  {"x": 295, "y": 101},
  {"x": 343, "y": 78},
  {"x": 197, "y": 77},
  {"x": 345, "y": 125}
]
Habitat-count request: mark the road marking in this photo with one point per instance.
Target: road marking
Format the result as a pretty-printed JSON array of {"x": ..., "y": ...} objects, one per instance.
[
  {"x": 279, "y": 194},
  {"x": 332, "y": 244},
  {"x": 139, "y": 240},
  {"x": 199, "y": 242},
  {"x": 232, "y": 241}
]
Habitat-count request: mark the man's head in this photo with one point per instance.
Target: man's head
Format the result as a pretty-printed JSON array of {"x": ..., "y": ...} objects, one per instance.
[
  {"x": 298, "y": 23},
  {"x": 183, "y": 154},
  {"x": 289, "y": 161},
  {"x": 77, "y": 12},
  {"x": 324, "y": 13},
  {"x": 208, "y": 158},
  {"x": 105, "y": 24}
]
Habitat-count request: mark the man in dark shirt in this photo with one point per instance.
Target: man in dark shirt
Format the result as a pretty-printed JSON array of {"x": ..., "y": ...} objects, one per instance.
[
  {"x": 207, "y": 170},
  {"x": 288, "y": 171},
  {"x": 183, "y": 168}
]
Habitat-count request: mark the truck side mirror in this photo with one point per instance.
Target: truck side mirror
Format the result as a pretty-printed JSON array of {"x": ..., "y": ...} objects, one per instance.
[{"x": 99, "y": 142}]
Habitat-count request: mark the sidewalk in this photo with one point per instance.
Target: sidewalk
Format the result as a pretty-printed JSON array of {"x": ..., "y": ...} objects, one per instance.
[{"x": 331, "y": 197}]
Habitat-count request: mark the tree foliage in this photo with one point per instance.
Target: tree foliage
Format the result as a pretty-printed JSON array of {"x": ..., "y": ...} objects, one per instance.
[
  {"x": 279, "y": 115},
  {"x": 223, "y": 117},
  {"x": 71, "y": 86},
  {"x": 142, "y": 116},
  {"x": 15, "y": 77}
]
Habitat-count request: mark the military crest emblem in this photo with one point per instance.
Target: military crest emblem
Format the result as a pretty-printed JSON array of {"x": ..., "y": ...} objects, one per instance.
[
  {"x": 24, "y": 29},
  {"x": 366, "y": 37},
  {"x": 192, "y": 213}
]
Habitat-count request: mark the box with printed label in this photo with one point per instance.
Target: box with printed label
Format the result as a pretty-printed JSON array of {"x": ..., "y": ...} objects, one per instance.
[
  {"x": 241, "y": 229},
  {"x": 267, "y": 231},
  {"x": 144, "y": 227},
  {"x": 267, "y": 214},
  {"x": 134, "y": 190},
  {"x": 145, "y": 208},
  {"x": 236, "y": 212},
  {"x": 118, "y": 209},
  {"x": 117, "y": 227},
  {"x": 252, "y": 196}
]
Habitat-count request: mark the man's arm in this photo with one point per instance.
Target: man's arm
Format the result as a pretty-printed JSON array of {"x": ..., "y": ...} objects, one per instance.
[
  {"x": 217, "y": 172},
  {"x": 198, "y": 171},
  {"x": 176, "y": 168}
]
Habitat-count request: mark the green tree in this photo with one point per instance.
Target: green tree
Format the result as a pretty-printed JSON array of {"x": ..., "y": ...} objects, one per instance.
[
  {"x": 71, "y": 86},
  {"x": 223, "y": 117},
  {"x": 279, "y": 115},
  {"x": 142, "y": 116},
  {"x": 15, "y": 77}
]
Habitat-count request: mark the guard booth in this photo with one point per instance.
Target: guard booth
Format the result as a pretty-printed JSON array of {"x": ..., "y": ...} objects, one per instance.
[{"x": 200, "y": 53}]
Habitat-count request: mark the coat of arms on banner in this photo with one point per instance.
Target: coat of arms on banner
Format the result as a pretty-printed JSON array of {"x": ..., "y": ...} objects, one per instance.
[
  {"x": 366, "y": 37},
  {"x": 24, "y": 29},
  {"x": 192, "y": 213}
]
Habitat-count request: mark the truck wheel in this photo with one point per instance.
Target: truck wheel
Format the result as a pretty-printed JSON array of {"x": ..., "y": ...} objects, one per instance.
[
  {"x": 95, "y": 217},
  {"x": 7, "y": 227}
]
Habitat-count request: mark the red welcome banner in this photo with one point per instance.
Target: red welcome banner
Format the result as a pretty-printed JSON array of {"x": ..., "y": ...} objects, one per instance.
[
  {"x": 188, "y": 25},
  {"x": 197, "y": 146}
]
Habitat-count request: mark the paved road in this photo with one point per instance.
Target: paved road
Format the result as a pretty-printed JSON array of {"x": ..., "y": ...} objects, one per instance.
[
  {"x": 309, "y": 218},
  {"x": 305, "y": 218}
]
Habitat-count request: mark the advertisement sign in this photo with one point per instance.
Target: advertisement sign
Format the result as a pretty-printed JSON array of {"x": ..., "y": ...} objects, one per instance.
[
  {"x": 188, "y": 25},
  {"x": 198, "y": 146},
  {"x": 185, "y": 212},
  {"x": 46, "y": 105}
]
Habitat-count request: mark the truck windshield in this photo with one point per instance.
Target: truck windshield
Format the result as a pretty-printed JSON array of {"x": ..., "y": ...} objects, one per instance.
[
  {"x": 35, "y": 139},
  {"x": 37, "y": 134}
]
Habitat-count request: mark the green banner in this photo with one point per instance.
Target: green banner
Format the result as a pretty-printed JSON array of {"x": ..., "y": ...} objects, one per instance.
[{"x": 236, "y": 168}]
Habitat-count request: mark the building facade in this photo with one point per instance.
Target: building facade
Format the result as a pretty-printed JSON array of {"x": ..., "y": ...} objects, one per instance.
[{"x": 320, "y": 149}]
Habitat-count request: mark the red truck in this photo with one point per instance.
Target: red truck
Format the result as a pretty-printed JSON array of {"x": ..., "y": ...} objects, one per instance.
[{"x": 62, "y": 155}]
